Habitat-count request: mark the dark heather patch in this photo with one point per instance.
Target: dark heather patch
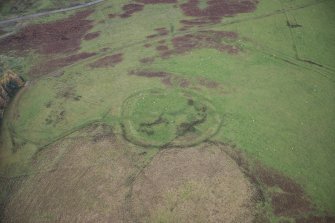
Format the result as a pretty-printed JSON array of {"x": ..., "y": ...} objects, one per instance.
[
  {"x": 150, "y": 74},
  {"x": 152, "y": 36},
  {"x": 201, "y": 21},
  {"x": 162, "y": 31},
  {"x": 218, "y": 8},
  {"x": 147, "y": 45},
  {"x": 275, "y": 179},
  {"x": 164, "y": 76},
  {"x": 108, "y": 61},
  {"x": 204, "y": 39},
  {"x": 316, "y": 219},
  {"x": 288, "y": 204},
  {"x": 54, "y": 64},
  {"x": 130, "y": 9},
  {"x": 215, "y": 10},
  {"x": 90, "y": 36},
  {"x": 161, "y": 41},
  {"x": 61, "y": 36},
  {"x": 157, "y": 1},
  {"x": 291, "y": 201},
  {"x": 159, "y": 32}
]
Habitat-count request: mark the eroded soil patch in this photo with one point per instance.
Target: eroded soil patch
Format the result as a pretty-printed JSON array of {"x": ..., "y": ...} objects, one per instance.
[{"x": 199, "y": 184}]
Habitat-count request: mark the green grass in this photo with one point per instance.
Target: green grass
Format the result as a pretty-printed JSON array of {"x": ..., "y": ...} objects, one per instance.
[
  {"x": 278, "y": 113},
  {"x": 317, "y": 32},
  {"x": 281, "y": 114}
]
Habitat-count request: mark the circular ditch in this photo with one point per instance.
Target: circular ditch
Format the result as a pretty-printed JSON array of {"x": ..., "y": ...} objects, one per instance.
[{"x": 159, "y": 117}]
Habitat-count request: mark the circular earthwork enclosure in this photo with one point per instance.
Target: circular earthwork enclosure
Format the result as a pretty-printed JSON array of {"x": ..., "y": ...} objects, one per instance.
[{"x": 160, "y": 117}]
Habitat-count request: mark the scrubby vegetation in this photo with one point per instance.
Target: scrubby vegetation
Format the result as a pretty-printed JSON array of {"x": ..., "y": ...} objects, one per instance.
[{"x": 10, "y": 82}]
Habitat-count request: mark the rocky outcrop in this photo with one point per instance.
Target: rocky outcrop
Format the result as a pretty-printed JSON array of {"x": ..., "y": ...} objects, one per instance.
[{"x": 10, "y": 83}]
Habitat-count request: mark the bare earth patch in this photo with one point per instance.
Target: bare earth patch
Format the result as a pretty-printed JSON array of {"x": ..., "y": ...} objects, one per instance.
[{"x": 199, "y": 184}]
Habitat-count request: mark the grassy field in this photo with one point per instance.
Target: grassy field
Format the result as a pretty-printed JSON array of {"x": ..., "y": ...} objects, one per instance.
[{"x": 261, "y": 82}]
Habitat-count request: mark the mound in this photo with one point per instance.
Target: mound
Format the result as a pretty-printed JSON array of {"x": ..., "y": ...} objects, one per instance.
[
  {"x": 169, "y": 118},
  {"x": 200, "y": 184}
]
